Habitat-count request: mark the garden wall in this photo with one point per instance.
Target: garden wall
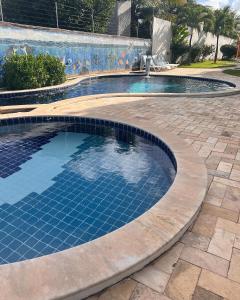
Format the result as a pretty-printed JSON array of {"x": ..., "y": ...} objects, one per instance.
[
  {"x": 162, "y": 38},
  {"x": 210, "y": 39},
  {"x": 81, "y": 52}
]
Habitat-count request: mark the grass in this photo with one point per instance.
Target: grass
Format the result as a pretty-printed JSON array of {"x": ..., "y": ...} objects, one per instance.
[
  {"x": 234, "y": 72},
  {"x": 208, "y": 64}
]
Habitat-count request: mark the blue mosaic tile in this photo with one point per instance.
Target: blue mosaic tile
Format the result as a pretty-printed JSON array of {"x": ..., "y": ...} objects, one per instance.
[{"x": 99, "y": 179}]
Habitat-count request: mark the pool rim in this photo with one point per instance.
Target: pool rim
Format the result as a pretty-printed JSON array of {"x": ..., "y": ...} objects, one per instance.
[
  {"x": 56, "y": 280},
  {"x": 233, "y": 89}
]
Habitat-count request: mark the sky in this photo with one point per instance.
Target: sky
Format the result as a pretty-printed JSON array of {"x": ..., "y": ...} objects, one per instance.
[{"x": 234, "y": 4}]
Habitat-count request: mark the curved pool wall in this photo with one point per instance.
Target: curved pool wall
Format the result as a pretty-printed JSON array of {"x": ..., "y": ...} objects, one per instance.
[
  {"x": 71, "y": 274},
  {"x": 132, "y": 84},
  {"x": 66, "y": 181}
]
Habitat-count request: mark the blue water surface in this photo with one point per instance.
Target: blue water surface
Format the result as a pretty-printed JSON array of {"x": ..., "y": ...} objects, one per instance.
[
  {"x": 125, "y": 84},
  {"x": 64, "y": 184}
]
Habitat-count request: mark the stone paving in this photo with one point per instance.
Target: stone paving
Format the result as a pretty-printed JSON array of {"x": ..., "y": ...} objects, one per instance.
[{"x": 205, "y": 263}]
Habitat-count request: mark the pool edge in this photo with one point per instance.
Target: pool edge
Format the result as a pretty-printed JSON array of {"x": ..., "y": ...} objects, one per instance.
[{"x": 233, "y": 90}]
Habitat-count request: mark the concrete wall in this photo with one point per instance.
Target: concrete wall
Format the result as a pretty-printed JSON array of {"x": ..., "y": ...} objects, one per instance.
[
  {"x": 210, "y": 39},
  {"x": 121, "y": 21},
  {"x": 162, "y": 37},
  {"x": 80, "y": 52}
]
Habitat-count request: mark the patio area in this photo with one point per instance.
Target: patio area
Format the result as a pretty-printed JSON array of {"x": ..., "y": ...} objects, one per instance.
[{"x": 205, "y": 263}]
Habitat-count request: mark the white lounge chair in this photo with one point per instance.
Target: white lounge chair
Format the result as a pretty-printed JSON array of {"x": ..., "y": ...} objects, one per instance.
[
  {"x": 153, "y": 65},
  {"x": 159, "y": 58}
]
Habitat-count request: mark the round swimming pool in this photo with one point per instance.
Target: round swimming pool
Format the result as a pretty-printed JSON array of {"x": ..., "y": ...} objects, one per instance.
[
  {"x": 121, "y": 84},
  {"x": 66, "y": 181}
]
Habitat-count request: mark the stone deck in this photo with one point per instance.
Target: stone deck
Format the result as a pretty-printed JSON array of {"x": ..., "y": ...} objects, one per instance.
[{"x": 205, "y": 263}]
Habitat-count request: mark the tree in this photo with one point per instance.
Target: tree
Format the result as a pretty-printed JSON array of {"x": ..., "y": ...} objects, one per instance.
[
  {"x": 179, "y": 45},
  {"x": 168, "y": 9},
  {"x": 34, "y": 12},
  {"x": 194, "y": 16},
  {"x": 97, "y": 14},
  {"x": 85, "y": 15},
  {"x": 141, "y": 10},
  {"x": 225, "y": 21},
  {"x": 145, "y": 10},
  {"x": 70, "y": 14}
]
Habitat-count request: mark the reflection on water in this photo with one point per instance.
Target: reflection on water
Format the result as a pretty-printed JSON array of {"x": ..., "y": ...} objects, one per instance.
[
  {"x": 64, "y": 184},
  {"x": 123, "y": 84}
]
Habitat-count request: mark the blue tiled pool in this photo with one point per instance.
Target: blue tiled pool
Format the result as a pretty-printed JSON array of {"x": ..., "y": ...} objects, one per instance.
[
  {"x": 122, "y": 84},
  {"x": 67, "y": 181}
]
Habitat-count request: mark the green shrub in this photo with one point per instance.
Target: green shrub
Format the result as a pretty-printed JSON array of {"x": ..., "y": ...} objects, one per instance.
[
  {"x": 228, "y": 51},
  {"x": 179, "y": 50},
  {"x": 206, "y": 51},
  {"x": 29, "y": 72},
  {"x": 179, "y": 45},
  {"x": 179, "y": 34},
  {"x": 195, "y": 53},
  {"x": 198, "y": 53},
  {"x": 54, "y": 68}
]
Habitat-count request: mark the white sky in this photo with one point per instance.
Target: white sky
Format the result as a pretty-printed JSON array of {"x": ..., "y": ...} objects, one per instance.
[{"x": 234, "y": 4}]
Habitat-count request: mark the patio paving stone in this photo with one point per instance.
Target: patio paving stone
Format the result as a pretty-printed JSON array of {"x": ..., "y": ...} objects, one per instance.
[
  {"x": 205, "y": 260},
  {"x": 183, "y": 281},
  {"x": 202, "y": 294},
  {"x": 219, "y": 285},
  {"x": 197, "y": 267},
  {"x": 222, "y": 244},
  {"x": 234, "y": 270}
]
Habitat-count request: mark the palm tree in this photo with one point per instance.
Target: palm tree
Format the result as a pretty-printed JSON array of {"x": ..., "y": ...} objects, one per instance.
[
  {"x": 224, "y": 24},
  {"x": 167, "y": 9},
  {"x": 194, "y": 16},
  {"x": 145, "y": 10}
]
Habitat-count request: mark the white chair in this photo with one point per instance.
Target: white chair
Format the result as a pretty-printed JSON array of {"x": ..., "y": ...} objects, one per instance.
[
  {"x": 153, "y": 65},
  {"x": 159, "y": 58},
  {"x": 159, "y": 64}
]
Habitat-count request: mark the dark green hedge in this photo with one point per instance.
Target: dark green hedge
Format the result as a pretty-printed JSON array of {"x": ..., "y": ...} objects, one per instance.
[
  {"x": 228, "y": 51},
  {"x": 30, "y": 72}
]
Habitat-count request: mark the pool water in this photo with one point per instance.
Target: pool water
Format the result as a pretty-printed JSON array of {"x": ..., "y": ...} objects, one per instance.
[
  {"x": 63, "y": 184},
  {"x": 125, "y": 84}
]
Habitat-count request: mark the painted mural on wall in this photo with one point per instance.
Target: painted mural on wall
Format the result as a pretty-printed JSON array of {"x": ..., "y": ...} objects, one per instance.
[{"x": 78, "y": 58}]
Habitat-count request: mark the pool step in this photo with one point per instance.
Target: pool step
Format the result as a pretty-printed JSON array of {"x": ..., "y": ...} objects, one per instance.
[{"x": 36, "y": 175}]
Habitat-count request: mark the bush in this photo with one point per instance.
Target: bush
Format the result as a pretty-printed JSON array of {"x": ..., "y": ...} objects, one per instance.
[
  {"x": 179, "y": 50},
  {"x": 179, "y": 45},
  {"x": 206, "y": 51},
  {"x": 228, "y": 51},
  {"x": 29, "y": 72},
  {"x": 199, "y": 53},
  {"x": 54, "y": 68},
  {"x": 195, "y": 53}
]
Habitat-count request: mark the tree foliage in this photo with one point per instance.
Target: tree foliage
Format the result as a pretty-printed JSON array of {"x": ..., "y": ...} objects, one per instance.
[
  {"x": 224, "y": 23},
  {"x": 179, "y": 33},
  {"x": 145, "y": 10},
  {"x": 195, "y": 17},
  {"x": 85, "y": 15}
]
